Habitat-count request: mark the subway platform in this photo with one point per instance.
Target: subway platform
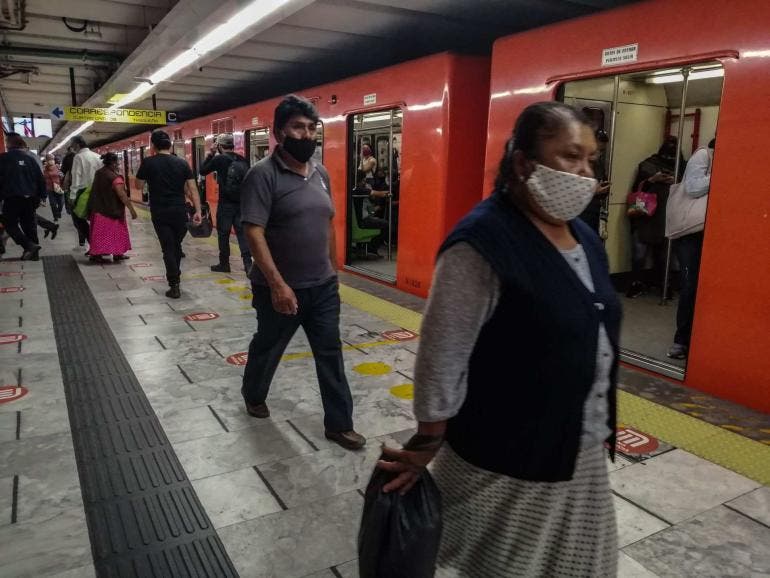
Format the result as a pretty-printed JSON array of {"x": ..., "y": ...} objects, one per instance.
[{"x": 125, "y": 449}]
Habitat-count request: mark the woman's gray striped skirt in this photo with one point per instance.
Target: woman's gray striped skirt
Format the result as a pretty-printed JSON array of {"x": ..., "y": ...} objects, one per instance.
[{"x": 495, "y": 525}]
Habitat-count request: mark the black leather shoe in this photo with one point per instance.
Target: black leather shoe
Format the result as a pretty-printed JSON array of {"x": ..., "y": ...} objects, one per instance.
[
  {"x": 54, "y": 232},
  {"x": 350, "y": 440},
  {"x": 221, "y": 268},
  {"x": 259, "y": 410},
  {"x": 174, "y": 292}
]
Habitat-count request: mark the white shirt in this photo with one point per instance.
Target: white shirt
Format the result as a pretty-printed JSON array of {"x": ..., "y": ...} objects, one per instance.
[
  {"x": 84, "y": 166},
  {"x": 697, "y": 175}
]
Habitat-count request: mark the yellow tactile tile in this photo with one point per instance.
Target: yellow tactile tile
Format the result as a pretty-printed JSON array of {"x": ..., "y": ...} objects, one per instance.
[{"x": 381, "y": 308}]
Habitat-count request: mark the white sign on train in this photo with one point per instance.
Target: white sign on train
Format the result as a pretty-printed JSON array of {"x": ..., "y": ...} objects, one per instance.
[
  {"x": 620, "y": 55},
  {"x": 370, "y": 99}
]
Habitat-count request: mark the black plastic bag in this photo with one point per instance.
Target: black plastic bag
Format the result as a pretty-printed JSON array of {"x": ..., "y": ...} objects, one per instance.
[
  {"x": 399, "y": 535},
  {"x": 206, "y": 226}
]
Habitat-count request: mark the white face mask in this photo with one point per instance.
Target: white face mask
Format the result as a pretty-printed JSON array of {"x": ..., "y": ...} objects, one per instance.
[{"x": 562, "y": 196}]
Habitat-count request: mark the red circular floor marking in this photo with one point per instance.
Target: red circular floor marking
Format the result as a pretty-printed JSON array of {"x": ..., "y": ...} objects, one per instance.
[
  {"x": 238, "y": 358},
  {"x": 201, "y": 316},
  {"x": 10, "y": 273},
  {"x": 6, "y": 338},
  {"x": 154, "y": 278},
  {"x": 11, "y": 289},
  {"x": 141, "y": 265},
  {"x": 9, "y": 393},
  {"x": 399, "y": 335},
  {"x": 630, "y": 441}
]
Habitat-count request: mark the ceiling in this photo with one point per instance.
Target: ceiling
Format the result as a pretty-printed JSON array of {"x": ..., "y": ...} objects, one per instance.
[{"x": 113, "y": 45}]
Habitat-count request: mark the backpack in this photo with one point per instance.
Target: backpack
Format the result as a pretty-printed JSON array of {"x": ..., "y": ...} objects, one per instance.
[{"x": 236, "y": 172}]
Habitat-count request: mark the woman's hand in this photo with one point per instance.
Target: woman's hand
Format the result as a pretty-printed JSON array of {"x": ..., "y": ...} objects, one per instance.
[{"x": 408, "y": 463}]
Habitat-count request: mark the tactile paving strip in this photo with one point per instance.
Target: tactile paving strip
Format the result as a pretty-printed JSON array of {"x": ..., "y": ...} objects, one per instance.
[{"x": 144, "y": 518}]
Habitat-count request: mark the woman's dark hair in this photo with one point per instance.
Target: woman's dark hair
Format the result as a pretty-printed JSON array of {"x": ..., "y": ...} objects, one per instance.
[
  {"x": 537, "y": 122},
  {"x": 79, "y": 141},
  {"x": 290, "y": 106},
  {"x": 109, "y": 158}
]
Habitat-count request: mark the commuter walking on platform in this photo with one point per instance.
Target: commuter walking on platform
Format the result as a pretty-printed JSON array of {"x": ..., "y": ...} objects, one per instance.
[
  {"x": 53, "y": 177},
  {"x": 107, "y": 209},
  {"x": 170, "y": 180},
  {"x": 231, "y": 169},
  {"x": 85, "y": 163},
  {"x": 288, "y": 213},
  {"x": 22, "y": 185},
  {"x": 688, "y": 249},
  {"x": 517, "y": 369}
]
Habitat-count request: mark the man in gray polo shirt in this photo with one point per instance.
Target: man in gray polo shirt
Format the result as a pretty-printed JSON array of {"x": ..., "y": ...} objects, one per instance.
[{"x": 287, "y": 215}]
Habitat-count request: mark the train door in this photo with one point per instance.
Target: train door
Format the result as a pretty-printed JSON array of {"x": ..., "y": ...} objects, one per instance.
[
  {"x": 198, "y": 155},
  {"x": 373, "y": 193},
  {"x": 146, "y": 190},
  {"x": 648, "y": 149},
  {"x": 257, "y": 144},
  {"x": 179, "y": 149}
]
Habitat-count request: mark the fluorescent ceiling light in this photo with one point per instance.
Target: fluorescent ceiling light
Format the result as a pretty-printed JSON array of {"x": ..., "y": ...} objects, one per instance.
[
  {"x": 677, "y": 77},
  {"x": 181, "y": 61}
]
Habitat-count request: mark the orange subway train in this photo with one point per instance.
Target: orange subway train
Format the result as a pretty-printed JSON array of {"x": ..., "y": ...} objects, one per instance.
[{"x": 642, "y": 73}]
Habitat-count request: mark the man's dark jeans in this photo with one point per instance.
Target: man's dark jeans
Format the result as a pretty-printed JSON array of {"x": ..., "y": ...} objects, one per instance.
[
  {"x": 171, "y": 227},
  {"x": 688, "y": 252},
  {"x": 319, "y": 316},
  {"x": 19, "y": 220},
  {"x": 228, "y": 218},
  {"x": 57, "y": 204}
]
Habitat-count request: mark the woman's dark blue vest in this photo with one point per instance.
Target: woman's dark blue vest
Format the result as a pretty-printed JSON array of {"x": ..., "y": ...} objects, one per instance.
[{"x": 533, "y": 364}]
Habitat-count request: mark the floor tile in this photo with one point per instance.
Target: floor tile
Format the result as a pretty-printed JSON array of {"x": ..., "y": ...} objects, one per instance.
[
  {"x": 755, "y": 505},
  {"x": 298, "y": 541},
  {"x": 6, "y": 500},
  {"x": 67, "y": 546},
  {"x": 348, "y": 569},
  {"x": 189, "y": 424},
  {"x": 235, "y": 497},
  {"x": 308, "y": 478},
  {"x": 8, "y": 422},
  {"x": 634, "y": 523},
  {"x": 227, "y": 452},
  {"x": 719, "y": 542},
  {"x": 678, "y": 485},
  {"x": 630, "y": 568}
]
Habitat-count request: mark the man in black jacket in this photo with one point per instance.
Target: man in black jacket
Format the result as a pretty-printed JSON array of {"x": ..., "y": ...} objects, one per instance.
[
  {"x": 231, "y": 168},
  {"x": 22, "y": 185}
]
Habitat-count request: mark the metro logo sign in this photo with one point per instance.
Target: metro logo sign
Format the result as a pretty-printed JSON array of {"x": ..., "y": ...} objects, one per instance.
[
  {"x": 630, "y": 441},
  {"x": 8, "y": 338},
  {"x": 399, "y": 335},
  {"x": 201, "y": 316},
  {"x": 238, "y": 358},
  {"x": 9, "y": 393}
]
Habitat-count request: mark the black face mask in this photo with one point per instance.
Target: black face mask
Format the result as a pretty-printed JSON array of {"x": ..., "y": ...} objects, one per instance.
[{"x": 300, "y": 148}]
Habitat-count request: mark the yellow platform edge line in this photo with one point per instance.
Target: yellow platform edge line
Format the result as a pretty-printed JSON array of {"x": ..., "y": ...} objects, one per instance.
[{"x": 710, "y": 442}]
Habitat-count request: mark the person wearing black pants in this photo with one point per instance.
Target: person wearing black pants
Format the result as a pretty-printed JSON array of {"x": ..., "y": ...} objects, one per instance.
[
  {"x": 169, "y": 181},
  {"x": 171, "y": 227},
  {"x": 688, "y": 251},
  {"x": 22, "y": 185}
]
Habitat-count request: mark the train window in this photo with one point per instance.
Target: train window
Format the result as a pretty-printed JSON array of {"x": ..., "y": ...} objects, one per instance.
[
  {"x": 179, "y": 148},
  {"x": 654, "y": 122},
  {"x": 373, "y": 192},
  {"x": 258, "y": 143}
]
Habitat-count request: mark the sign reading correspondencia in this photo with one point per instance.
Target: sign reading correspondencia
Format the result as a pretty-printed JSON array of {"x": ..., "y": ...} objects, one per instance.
[{"x": 125, "y": 115}]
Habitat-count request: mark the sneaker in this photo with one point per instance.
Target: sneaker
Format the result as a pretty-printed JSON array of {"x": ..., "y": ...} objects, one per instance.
[
  {"x": 678, "y": 351},
  {"x": 54, "y": 232},
  {"x": 174, "y": 292},
  {"x": 117, "y": 258},
  {"x": 221, "y": 268},
  {"x": 31, "y": 254},
  {"x": 635, "y": 290},
  {"x": 350, "y": 440},
  {"x": 259, "y": 410}
]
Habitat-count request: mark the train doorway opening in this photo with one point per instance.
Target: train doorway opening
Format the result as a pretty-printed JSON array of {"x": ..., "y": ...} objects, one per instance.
[
  {"x": 373, "y": 193},
  {"x": 198, "y": 156},
  {"x": 653, "y": 123},
  {"x": 257, "y": 144}
]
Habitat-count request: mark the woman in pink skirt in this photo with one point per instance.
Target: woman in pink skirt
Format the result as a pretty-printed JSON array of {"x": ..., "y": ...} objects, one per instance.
[{"x": 107, "y": 209}]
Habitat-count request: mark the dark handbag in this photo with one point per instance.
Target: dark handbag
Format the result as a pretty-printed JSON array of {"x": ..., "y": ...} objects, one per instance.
[
  {"x": 206, "y": 226},
  {"x": 399, "y": 535}
]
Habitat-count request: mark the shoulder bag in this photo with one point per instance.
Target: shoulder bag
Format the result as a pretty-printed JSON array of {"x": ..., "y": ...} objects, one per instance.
[{"x": 685, "y": 214}]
